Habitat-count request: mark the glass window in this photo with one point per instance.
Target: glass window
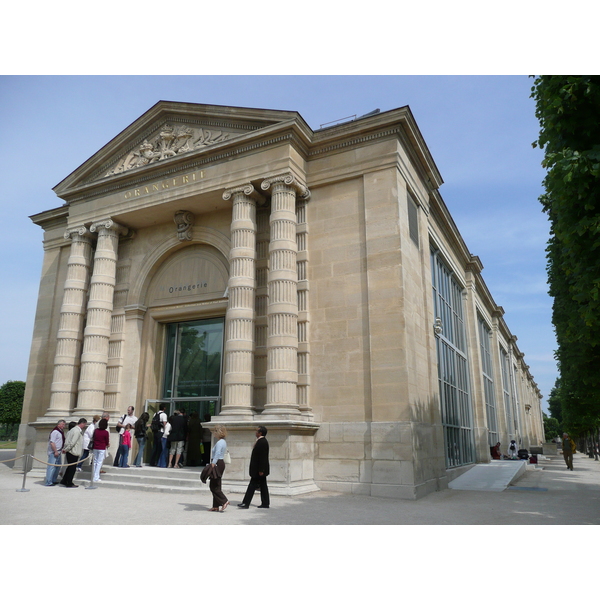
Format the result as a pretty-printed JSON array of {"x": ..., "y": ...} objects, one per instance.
[
  {"x": 488, "y": 380},
  {"x": 506, "y": 390},
  {"x": 193, "y": 359},
  {"x": 453, "y": 370},
  {"x": 413, "y": 219}
]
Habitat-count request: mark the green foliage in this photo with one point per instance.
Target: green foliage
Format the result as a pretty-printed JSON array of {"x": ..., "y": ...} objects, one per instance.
[
  {"x": 552, "y": 427},
  {"x": 568, "y": 109},
  {"x": 11, "y": 401}
]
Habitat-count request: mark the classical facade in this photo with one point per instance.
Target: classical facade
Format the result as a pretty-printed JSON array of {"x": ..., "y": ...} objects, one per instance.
[{"x": 236, "y": 263}]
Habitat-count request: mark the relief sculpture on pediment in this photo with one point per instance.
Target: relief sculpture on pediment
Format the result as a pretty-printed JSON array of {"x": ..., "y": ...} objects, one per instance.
[{"x": 169, "y": 142}]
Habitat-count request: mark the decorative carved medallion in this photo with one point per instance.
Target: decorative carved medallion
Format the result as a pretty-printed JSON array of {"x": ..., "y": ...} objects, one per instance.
[
  {"x": 170, "y": 141},
  {"x": 184, "y": 221}
]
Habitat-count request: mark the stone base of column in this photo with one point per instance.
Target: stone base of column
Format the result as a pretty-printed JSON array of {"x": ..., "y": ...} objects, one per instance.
[
  {"x": 291, "y": 455},
  {"x": 242, "y": 413}
]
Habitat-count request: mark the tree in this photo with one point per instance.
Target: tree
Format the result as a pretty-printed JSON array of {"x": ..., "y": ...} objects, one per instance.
[
  {"x": 11, "y": 401},
  {"x": 551, "y": 427},
  {"x": 568, "y": 109}
]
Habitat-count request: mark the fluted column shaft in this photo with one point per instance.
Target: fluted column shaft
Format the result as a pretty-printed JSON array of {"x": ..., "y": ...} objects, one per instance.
[
  {"x": 94, "y": 358},
  {"x": 63, "y": 390},
  {"x": 238, "y": 379},
  {"x": 282, "y": 310}
]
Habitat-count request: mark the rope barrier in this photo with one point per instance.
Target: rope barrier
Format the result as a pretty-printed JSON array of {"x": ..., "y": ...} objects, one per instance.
[
  {"x": 11, "y": 459},
  {"x": 27, "y": 467},
  {"x": 58, "y": 465}
]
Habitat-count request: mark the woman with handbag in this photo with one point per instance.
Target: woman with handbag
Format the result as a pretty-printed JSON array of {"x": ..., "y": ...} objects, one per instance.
[{"x": 217, "y": 464}]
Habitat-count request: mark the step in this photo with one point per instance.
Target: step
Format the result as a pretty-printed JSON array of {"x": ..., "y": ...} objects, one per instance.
[{"x": 147, "y": 478}]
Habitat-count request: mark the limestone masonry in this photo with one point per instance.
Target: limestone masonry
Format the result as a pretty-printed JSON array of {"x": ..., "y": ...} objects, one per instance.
[{"x": 238, "y": 264}]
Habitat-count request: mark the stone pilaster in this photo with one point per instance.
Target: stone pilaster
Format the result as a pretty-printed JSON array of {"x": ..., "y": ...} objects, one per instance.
[
  {"x": 303, "y": 309},
  {"x": 94, "y": 358},
  {"x": 262, "y": 300},
  {"x": 238, "y": 379},
  {"x": 63, "y": 391},
  {"x": 282, "y": 312}
]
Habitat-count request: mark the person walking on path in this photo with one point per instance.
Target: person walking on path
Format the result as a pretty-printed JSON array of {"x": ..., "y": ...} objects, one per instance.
[
  {"x": 56, "y": 441},
  {"x": 568, "y": 448},
  {"x": 259, "y": 470},
  {"x": 217, "y": 467}
]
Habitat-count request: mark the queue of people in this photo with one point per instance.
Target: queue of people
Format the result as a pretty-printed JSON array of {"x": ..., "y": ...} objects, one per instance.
[{"x": 176, "y": 440}]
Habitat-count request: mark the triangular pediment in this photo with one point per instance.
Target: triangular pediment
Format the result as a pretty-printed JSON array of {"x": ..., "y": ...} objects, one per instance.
[{"x": 167, "y": 131}]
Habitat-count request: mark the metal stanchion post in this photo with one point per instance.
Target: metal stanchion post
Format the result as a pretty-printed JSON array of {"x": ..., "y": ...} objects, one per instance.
[
  {"x": 26, "y": 469},
  {"x": 91, "y": 486}
]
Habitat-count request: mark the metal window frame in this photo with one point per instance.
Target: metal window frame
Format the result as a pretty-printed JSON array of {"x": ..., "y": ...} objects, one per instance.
[{"x": 453, "y": 365}]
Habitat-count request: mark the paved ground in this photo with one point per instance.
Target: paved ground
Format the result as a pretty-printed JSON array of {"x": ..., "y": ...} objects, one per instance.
[{"x": 547, "y": 496}]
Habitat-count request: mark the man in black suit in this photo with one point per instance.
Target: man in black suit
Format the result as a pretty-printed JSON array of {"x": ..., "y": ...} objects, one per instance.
[{"x": 259, "y": 470}]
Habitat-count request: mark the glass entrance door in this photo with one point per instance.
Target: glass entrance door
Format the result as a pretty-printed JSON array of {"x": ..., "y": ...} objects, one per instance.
[{"x": 193, "y": 366}]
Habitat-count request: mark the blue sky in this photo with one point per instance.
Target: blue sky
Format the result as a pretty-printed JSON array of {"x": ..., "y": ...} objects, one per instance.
[{"x": 479, "y": 130}]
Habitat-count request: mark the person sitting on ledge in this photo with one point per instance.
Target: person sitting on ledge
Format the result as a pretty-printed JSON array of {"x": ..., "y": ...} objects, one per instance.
[{"x": 495, "y": 450}]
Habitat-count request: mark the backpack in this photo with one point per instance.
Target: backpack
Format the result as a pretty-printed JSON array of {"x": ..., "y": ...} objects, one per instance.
[
  {"x": 512, "y": 446},
  {"x": 156, "y": 425}
]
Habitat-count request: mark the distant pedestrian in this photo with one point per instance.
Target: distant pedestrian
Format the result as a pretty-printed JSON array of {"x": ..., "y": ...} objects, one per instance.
[
  {"x": 513, "y": 449},
  {"x": 73, "y": 449},
  {"x": 568, "y": 447},
  {"x": 56, "y": 441},
  {"x": 259, "y": 470}
]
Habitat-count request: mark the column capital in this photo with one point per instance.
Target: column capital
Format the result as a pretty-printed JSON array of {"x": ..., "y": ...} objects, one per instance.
[
  {"x": 81, "y": 231},
  {"x": 247, "y": 189},
  {"x": 109, "y": 224},
  {"x": 290, "y": 180}
]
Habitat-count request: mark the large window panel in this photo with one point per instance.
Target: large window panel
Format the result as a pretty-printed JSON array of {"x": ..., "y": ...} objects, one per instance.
[
  {"x": 453, "y": 370},
  {"x": 193, "y": 359}
]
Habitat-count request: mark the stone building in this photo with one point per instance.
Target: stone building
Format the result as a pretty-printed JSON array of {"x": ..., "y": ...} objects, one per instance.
[{"x": 236, "y": 263}]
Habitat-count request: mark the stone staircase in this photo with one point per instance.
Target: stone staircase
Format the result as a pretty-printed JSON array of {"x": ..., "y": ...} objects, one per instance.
[{"x": 152, "y": 479}]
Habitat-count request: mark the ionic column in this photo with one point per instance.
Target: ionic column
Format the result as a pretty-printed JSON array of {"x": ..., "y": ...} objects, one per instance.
[
  {"x": 282, "y": 311},
  {"x": 63, "y": 391},
  {"x": 238, "y": 379},
  {"x": 94, "y": 358}
]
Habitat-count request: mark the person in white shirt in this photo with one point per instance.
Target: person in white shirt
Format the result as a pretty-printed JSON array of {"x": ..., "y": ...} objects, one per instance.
[{"x": 87, "y": 438}]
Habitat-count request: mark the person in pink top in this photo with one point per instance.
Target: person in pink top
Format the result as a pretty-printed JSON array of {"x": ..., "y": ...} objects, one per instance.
[{"x": 125, "y": 446}]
